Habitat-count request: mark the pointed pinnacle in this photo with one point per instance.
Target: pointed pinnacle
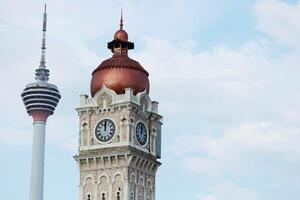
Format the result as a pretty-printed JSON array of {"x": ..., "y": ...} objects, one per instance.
[{"x": 121, "y": 20}]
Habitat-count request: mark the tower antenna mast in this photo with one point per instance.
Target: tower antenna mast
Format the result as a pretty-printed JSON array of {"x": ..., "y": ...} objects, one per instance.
[
  {"x": 43, "y": 55},
  {"x": 42, "y": 74}
]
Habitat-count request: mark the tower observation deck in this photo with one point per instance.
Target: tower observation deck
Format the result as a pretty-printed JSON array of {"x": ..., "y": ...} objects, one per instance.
[{"x": 40, "y": 99}]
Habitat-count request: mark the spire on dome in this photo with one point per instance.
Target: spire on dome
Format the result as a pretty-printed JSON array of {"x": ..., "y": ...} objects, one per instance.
[
  {"x": 120, "y": 43},
  {"x": 42, "y": 74},
  {"x": 121, "y": 20}
]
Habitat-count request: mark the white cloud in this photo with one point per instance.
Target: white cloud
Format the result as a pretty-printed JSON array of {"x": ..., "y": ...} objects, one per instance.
[
  {"x": 280, "y": 20},
  {"x": 229, "y": 191},
  {"x": 232, "y": 150},
  {"x": 222, "y": 69},
  {"x": 222, "y": 85}
]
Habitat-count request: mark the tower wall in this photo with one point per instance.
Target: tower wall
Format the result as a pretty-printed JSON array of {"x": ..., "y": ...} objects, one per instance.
[
  {"x": 120, "y": 167},
  {"x": 120, "y": 129}
]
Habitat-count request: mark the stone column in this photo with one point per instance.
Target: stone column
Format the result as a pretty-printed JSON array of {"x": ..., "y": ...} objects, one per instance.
[
  {"x": 130, "y": 137},
  {"x": 145, "y": 194},
  {"x": 126, "y": 191},
  {"x": 136, "y": 192},
  {"x": 110, "y": 195},
  {"x": 96, "y": 191}
]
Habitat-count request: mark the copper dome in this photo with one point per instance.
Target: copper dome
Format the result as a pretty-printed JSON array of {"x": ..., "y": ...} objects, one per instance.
[{"x": 120, "y": 71}]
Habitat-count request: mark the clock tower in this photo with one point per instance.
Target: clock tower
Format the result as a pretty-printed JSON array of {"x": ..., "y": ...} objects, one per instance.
[{"x": 119, "y": 130}]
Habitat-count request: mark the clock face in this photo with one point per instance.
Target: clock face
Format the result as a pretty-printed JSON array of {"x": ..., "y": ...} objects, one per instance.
[
  {"x": 105, "y": 130},
  {"x": 141, "y": 133}
]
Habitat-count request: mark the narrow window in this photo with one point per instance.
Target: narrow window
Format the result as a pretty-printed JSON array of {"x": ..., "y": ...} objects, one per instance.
[
  {"x": 103, "y": 196},
  {"x": 118, "y": 195},
  {"x": 88, "y": 197},
  {"x": 131, "y": 196}
]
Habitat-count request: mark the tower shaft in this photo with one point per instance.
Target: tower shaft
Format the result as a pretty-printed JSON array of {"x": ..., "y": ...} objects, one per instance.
[
  {"x": 37, "y": 167},
  {"x": 40, "y": 99}
]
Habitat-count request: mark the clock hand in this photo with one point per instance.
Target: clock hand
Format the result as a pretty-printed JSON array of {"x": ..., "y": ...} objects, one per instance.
[{"x": 105, "y": 126}]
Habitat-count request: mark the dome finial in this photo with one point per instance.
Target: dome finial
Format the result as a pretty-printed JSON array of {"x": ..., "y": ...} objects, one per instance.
[{"x": 121, "y": 20}]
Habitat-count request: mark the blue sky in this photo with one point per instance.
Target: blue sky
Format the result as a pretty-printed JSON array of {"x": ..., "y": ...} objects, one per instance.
[{"x": 226, "y": 74}]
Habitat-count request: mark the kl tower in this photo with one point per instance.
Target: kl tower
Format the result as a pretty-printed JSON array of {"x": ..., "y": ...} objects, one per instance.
[{"x": 40, "y": 99}]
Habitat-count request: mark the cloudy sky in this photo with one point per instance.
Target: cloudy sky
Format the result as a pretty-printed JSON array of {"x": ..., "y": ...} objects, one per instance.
[{"x": 226, "y": 74}]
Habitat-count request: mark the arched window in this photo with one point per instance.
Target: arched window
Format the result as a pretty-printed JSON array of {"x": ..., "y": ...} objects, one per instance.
[{"x": 103, "y": 196}]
